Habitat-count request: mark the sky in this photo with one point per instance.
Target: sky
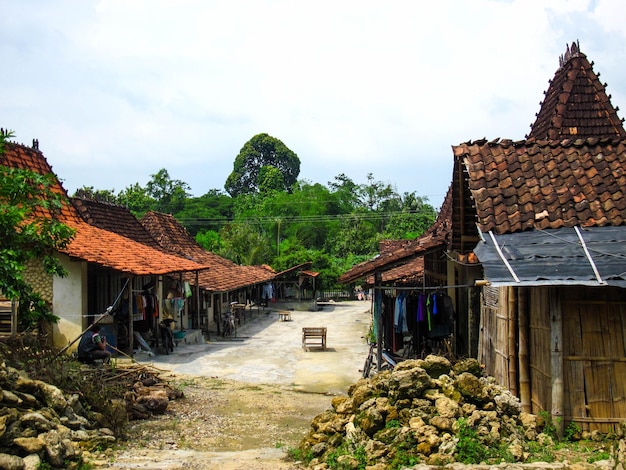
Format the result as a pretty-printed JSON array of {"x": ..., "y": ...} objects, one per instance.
[{"x": 115, "y": 90}]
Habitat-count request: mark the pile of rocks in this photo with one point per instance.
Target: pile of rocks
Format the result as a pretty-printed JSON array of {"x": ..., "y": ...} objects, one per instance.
[
  {"x": 41, "y": 425},
  {"x": 417, "y": 413}
]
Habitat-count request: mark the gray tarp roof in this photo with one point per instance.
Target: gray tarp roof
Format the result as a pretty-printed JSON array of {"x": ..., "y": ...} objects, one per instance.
[{"x": 556, "y": 256}]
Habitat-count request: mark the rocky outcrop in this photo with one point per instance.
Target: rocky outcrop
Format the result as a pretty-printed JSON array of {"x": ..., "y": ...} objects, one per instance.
[
  {"x": 426, "y": 412},
  {"x": 41, "y": 425}
]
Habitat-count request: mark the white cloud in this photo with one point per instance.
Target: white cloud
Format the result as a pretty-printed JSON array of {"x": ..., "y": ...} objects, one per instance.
[{"x": 116, "y": 90}]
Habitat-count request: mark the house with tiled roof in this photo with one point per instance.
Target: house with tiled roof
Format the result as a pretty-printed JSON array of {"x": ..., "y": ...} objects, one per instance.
[
  {"x": 536, "y": 254},
  {"x": 105, "y": 269},
  {"x": 546, "y": 219},
  {"x": 225, "y": 283}
]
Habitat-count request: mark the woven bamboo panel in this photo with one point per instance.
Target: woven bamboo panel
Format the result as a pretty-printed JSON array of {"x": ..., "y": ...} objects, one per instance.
[
  {"x": 539, "y": 343},
  {"x": 573, "y": 371},
  {"x": 596, "y": 346}
]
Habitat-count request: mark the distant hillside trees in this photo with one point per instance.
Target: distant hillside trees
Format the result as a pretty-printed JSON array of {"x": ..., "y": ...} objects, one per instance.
[{"x": 271, "y": 217}]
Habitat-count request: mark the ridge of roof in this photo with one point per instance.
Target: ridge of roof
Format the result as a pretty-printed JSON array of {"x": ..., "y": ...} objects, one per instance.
[
  {"x": 114, "y": 218},
  {"x": 576, "y": 104},
  {"x": 224, "y": 275}
]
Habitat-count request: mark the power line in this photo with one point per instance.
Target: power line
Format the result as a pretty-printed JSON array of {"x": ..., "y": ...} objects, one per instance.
[{"x": 369, "y": 216}]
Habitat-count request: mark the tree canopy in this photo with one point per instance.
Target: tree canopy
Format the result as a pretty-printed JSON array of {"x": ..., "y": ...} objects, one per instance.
[
  {"x": 29, "y": 232},
  {"x": 254, "y": 169}
]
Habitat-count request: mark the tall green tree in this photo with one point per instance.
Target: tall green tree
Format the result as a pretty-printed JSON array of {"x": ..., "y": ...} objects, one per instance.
[
  {"x": 29, "y": 230},
  {"x": 256, "y": 158},
  {"x": 136, "y": 199},
  {"x": 168, "y": 193}
]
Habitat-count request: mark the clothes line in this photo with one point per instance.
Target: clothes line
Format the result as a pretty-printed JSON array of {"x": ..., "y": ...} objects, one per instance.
[{"x": 401, "y": 288}]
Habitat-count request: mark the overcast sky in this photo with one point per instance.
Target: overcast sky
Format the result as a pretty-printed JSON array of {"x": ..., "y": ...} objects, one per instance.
[{"x": 117, "y": 89}]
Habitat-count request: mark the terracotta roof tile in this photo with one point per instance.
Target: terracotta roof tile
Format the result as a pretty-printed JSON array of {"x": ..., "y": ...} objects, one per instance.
[
  {"x": 91, "y": 243},
  {"x": 223, "y": 275},
  {"x": 574, "y": 182},
  {"x": 111, "y": 250},
  {"x": 113, "y": 218},
  {"x": 576, "y": 104}
]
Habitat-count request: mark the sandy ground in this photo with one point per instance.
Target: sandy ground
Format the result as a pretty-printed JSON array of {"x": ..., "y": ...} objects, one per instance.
[{"x": 250, "y": 398}]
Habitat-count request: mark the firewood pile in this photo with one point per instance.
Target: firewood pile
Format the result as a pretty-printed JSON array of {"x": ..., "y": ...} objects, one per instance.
[{"x": 147, "y": 392}]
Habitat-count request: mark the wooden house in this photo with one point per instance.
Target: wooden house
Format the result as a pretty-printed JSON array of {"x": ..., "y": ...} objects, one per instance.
[
  {"x": 534, "y": 256},
  {"x": 546, "y": 218},
  {"x": 105, "y": 269}
]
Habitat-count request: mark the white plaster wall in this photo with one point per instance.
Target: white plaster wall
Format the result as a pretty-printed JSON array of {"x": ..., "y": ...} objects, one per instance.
[{"x": 69, "y": 302}]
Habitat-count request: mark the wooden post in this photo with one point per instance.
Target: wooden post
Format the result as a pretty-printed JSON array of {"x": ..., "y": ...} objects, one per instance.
[
  {"x": 378, "y": 318},
  {"x": 512, "y": 339},
  {"x": 556, "y": 348},
  {"x": 523, "y": 356},
  {"x": 131, "y": 333}
]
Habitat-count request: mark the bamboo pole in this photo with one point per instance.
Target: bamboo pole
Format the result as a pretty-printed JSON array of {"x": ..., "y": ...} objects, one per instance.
[
  {"x": 556, "y": 348},
  {"x": 512, "y": 340},
  {"x": 523, "y": 356}
]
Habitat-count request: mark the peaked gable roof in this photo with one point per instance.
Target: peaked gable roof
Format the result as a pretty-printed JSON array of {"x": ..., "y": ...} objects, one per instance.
[
  {"x": 91, "y": 243},
  {"x": 113, "y": 218},
  {"x": 576, "y": 104},
  {"x": 224, "y": 275}
]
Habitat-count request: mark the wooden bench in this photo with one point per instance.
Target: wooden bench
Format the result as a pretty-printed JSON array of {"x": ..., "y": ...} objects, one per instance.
[
  {"x": 314, "y": 336},
  {"x": 284, "y": 315}
]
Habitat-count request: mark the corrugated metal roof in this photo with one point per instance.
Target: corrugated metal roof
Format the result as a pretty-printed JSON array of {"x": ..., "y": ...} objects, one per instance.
[{"x": 556, "y": 256}]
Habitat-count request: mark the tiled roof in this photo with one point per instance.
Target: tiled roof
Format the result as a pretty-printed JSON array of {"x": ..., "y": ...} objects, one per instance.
[
  {"x": 576, "y": 104},
  {"x": 542, "y": 184},
  {"x": 93, "y": 244},
  {"x": 436, "y": 236},
  {"x": 114, "y": 251},
  {"x": 30, "y": 158},
  {"x": 113, "y": 218},
  {"x": 410, "y": 272},
  {"x": 223, "y": 275}
]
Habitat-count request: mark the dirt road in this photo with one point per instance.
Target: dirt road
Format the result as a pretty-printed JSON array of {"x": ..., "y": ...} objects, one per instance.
[{"x": 250, "y": 398}]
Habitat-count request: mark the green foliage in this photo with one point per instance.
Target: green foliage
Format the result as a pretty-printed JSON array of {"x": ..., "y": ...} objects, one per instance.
[
  {"x": 549, "y": 427},
  {"x": 169, "y": 194},
  {"x": 243, "y": 244},
  {"x": 136, "y": 199},
  {"x": 209, "y": 240},
  {"x": 572, "y": 432},
  {"x": 471, "y": 450},
  {"x": 333, "y": 458},
  {"x": 254, "y": 167},
  {"x": 403, "y": 459},
  {"x": 298, "y": 455},
  {"x": 539, "y": 453},
  {"x": 393, "y": 423},
  {"x": 599, "y": 455},
  {"x": 29, "y": 230}
]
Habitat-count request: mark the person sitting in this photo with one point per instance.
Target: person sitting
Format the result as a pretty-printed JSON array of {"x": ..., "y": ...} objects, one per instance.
[{"x": 93, "y": 347}]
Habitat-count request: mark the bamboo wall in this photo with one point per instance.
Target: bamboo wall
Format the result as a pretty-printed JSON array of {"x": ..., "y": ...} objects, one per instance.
[
  {"x": 494, "y": 326},
  {"x": 539, "y": 350},
  {"x": 594, "y": 357},
  {"x": 592, "y": 345}
]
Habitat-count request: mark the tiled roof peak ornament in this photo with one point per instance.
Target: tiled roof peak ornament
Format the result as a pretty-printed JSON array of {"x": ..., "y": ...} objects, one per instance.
[
  {"x": 570, "y": 52},
  {"x": 36, "y": 144},
  {"x": 576, "y": 104}
]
